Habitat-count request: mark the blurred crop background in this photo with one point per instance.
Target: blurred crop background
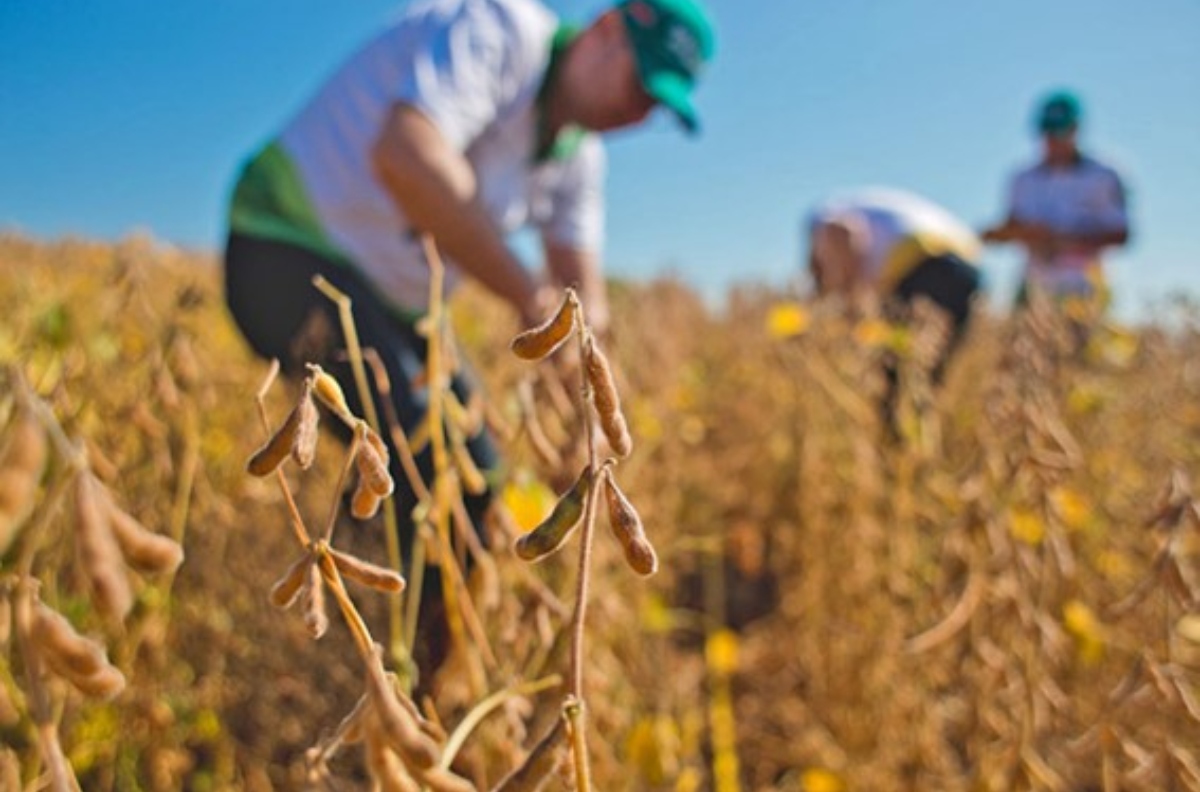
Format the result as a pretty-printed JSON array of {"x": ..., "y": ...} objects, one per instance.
[{"x": 1004, "y": 598}]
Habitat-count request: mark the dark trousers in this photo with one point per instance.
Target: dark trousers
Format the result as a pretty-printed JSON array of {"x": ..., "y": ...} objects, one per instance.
[
  {"x": 269, "y": 290},
  {"x": 951, "y": 284}
]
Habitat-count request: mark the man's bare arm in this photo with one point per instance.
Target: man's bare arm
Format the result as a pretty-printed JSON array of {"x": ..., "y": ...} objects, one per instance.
[
  {"x": 1038, "y": 234},
  {"x": 1096, "y": 239},
  {"x": 435, "y": 187}
]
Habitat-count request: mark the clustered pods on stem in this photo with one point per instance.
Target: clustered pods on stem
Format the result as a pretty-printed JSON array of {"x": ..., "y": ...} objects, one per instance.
[
  {"x": 296, "y": 437},
  {"x": 109, "y": 542},
  {"x": 303, "y": 580},
  {"x": 402, "y": 749},
  {"x": 79, "y": 660},
  {"x": 109, "y": 539},
  {"x": 579, "y": 505},
  {"x": 551, "y": 534}
]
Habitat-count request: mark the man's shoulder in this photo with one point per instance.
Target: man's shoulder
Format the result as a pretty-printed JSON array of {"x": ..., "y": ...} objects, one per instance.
[
  {"x": 1030, "y": 170},
  {"x": 526, "y": 21},
  {"x": 525, "y": 29},
  {"x": 1100, "y": 168},
  {"x": 522, "y": 22}
]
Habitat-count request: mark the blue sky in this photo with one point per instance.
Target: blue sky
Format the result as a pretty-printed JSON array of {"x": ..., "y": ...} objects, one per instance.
[{"x": 127, "y": 114}]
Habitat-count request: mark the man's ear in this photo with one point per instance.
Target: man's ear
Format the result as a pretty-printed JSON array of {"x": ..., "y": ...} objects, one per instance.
[
  {"x": 834, "y": 238},
  {"x": 852, "y": 231},
  {"x": 612, "y": 25}
]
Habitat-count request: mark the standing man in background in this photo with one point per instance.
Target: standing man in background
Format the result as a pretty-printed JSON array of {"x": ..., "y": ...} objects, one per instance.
[
  {"x": 464, "y": 120},
  {"x": 1064, "y": 210}
]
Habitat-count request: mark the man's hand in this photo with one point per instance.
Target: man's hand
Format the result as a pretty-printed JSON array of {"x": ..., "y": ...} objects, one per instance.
[
  {"x": 543, "y": 302},
  {"x": 1017, "y": 231},
  {"x": 1037, "y": 235},
  {"x": 570, "y": 266}
]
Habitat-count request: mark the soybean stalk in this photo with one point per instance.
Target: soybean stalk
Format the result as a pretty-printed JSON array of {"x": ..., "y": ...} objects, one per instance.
[
  {"x": 443, "y": 484},
  {"x": 574, "y": 709},
  {"x": 344, "y": 305}
]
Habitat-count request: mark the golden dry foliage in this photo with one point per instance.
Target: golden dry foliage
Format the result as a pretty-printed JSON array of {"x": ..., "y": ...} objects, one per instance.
[{"x": 1003, "y": 598}]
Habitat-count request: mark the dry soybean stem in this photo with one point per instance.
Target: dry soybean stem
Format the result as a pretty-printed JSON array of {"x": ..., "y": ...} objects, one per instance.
[
  {"x": 391, "y": 527},
  {"x": 333, "y": 579},
  {"x": 326, "y": 750},
  {"x": 400, "y": 440},
  {"x": 437, "y": 438},
  {"x": 581, "y": 590},
  {"x": 62, "y": 779},
  {"x": 346, "y": 316},
  {"x": 351, "y": 452},
  {"x": 416, "y": 580},
  {"x": 35, "y": 532},
  {"x": 70, "y": 450},
  {"x": 187, "y": 474},
  {"x": 23, "y": 621},
  {"x": 575, "y": 700},
  {"x": 585, "y": 544},
  {"x": 484, "y": 708},
  {"x": 576, "y": 720}
]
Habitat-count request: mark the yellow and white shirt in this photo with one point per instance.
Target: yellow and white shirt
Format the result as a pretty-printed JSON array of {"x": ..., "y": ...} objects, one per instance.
[{"x": 897, "y": 231}]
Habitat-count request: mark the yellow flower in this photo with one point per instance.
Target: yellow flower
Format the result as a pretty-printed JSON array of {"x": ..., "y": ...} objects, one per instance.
[
  {"x": 1078, "y": 308},
  {"x": 528, "y": 500},
  {"x": 787, "y": 319},
  {"x": 653, "y": 748},
  {"x": 818, "y": 779},
  {"x": 721, "y": 651},
  {"x": 656, "y": 616},
  {"x": 1119, "y": 348},
  {"x": 689, "y": 780},
  {"x": 1084, "y": 399},
  {"x": 646, "y": 425},
  {"x": 872, "y": 332},
  {"x": 93, "y": 734},
  {"x": 1116, "y": 567},
  {"x": 1071, "y": 507},
  {"x": 1086, "y": 629},
  {"x": 1026, "y": 526},
  {"x": 641, "y": 751}
]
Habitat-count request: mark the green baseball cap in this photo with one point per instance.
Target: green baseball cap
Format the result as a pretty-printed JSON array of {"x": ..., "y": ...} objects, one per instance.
[
  {"x": 1059, "y": 113},
  {"x": 672, "y": 40}
]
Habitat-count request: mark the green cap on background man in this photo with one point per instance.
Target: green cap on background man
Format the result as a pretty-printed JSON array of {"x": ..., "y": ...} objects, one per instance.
[
  {"x": 1059, "y": 113},
  {"x": 672, "y": 40}
]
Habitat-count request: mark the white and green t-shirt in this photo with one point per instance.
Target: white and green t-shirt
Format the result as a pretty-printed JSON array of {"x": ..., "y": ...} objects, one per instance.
[{"x": 474, "y": 68}]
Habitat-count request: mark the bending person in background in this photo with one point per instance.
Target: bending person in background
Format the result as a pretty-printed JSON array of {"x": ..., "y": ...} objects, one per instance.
[
  {"x": 464, "y": 120},
  {"x": 1065, "y": 210},
  {"x": 896, "y": 247}
]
